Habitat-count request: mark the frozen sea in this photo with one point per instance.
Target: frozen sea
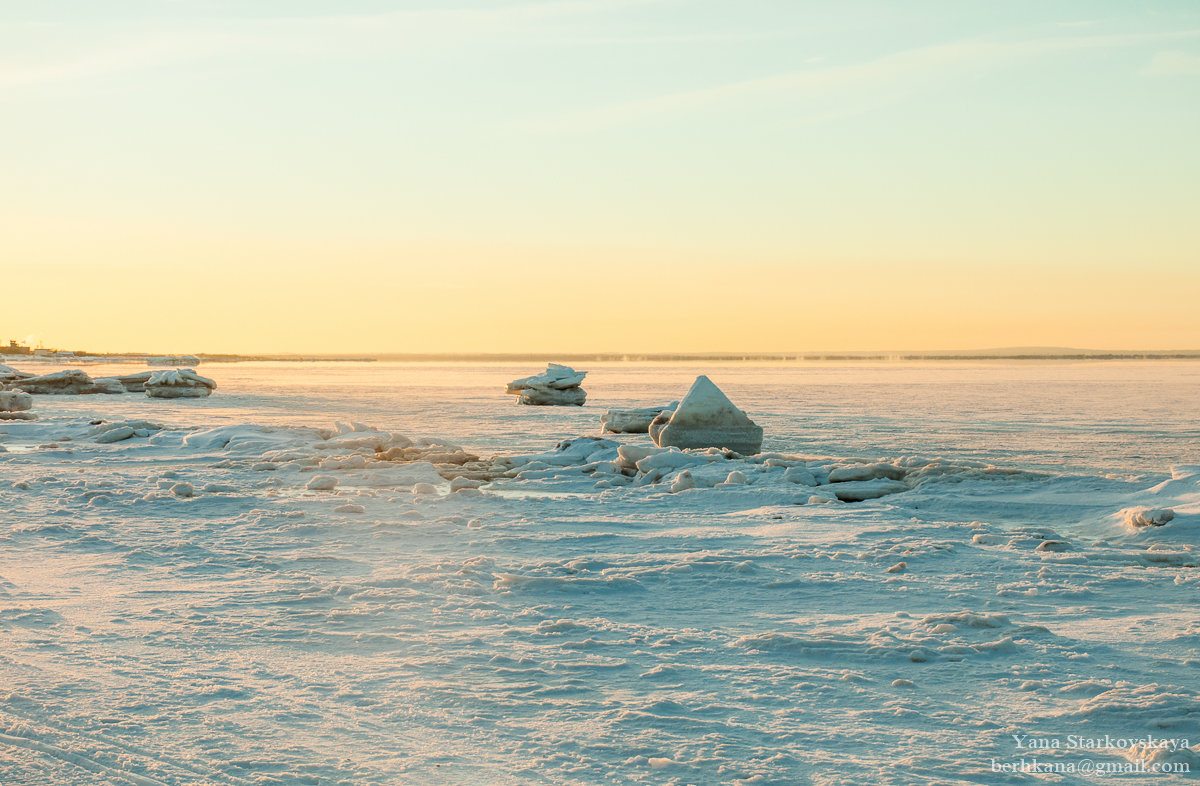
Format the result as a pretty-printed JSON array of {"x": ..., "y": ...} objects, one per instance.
[{"x": 570, "y": 624}]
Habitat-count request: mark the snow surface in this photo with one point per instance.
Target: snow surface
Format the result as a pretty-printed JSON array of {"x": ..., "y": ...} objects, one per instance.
[{"x": 224, "y": 590}]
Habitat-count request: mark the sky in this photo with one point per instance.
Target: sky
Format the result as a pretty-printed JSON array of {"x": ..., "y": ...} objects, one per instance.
[{"x": 311, "y": 176}]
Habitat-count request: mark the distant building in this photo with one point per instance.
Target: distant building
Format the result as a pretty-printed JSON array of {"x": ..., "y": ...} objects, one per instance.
[{"x": 14, "y": 348}]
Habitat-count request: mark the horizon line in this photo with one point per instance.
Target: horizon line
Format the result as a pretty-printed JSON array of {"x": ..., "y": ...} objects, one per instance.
[{"x": 996, "y": 353}]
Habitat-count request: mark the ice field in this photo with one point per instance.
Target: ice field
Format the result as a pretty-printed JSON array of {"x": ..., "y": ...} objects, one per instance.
[{"x": 188, "y": 606}]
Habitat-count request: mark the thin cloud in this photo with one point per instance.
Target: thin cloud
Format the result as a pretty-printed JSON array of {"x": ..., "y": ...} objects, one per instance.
[
  {"x": 126, "y": 50},
  {"x": 698, "y": 38},
  {"x": 143, "y": 52},
  {"x": 1172, "y": 64},
  {"x": 519, "y": 11},
  {"x": 901, "y": 68}
]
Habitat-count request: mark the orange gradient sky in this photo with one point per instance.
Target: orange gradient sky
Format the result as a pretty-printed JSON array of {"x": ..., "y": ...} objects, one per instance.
[{"x": 636, "y": 175}]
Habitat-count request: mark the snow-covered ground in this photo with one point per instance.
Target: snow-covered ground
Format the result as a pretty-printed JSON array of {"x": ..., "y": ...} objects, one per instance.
[{"x": 253, "y": 594}]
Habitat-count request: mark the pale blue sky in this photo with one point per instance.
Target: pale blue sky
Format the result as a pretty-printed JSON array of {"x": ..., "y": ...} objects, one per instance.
[{"x": 482, "y": 156}]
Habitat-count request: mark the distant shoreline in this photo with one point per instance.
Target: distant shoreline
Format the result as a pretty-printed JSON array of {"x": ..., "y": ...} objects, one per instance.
[
  {"x": 615, "y": 357},
  {"x": 788, "y": 357}
]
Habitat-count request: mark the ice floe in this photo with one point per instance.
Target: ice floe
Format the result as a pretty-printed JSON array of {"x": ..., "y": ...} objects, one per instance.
[
  {"x": 8, "y": 375},
  {"x": 16, "y": 405},
  {"x": 177, "y": 383},
  {"x": 67, "y": 382},
  {"x": 78, "y": 382},
  {"x": 633, "y": 421},
  {"x": 136, "y": 382},
  {"x": 556, "y": 386}
]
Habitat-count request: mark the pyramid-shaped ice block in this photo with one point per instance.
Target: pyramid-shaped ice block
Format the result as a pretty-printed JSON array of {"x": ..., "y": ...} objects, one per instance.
[{"x": 706, "y": 418}]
